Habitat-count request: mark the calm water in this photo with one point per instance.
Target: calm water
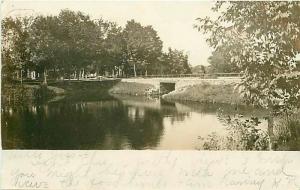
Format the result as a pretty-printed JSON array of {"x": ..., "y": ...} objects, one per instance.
[{"x": 120, "y": 123}]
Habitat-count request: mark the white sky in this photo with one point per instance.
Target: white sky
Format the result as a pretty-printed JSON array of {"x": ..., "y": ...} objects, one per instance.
[{"x": 173, "y": 20}]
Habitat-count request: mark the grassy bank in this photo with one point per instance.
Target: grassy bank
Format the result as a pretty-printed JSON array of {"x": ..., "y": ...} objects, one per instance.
[
  {"x": 13, "y": 94},
  {"x": 95, "y": 90},
  {"x": 206, "y": 93},
  {"x": 16, "y": 94},
  {"x": 132, "y": 88},
  {"x": 86, "y": 90}
]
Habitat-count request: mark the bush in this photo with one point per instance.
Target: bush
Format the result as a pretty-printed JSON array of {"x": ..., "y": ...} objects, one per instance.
[
  {"x": 242, "y": 134},
  {"x": 14, "y": 94},
  {"x": 287, "y": 133},
  {"x": 42, "y": 94}
]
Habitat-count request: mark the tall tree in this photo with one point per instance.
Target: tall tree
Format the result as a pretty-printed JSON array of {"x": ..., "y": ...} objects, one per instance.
[
  {"x": 177, "y": 62},
  {"x": 43, "y": 44},
  {"x": 15, "y": 51},
  {"x": 143, "y": 46},
  {"x": 218, "y": 63},
  {"x": 114, "y": 50},
  {"x": 76, "y": 34},
  {"x": 260, "y": 38}
]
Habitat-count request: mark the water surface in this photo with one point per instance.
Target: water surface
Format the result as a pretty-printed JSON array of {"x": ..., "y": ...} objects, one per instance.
[{"x": 120, "y": 123}]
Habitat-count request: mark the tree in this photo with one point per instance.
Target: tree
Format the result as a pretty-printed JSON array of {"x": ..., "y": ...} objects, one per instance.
[
  {"x": 177, "y": 62},
  {"x": 15, "y": 52},
  {"x": 143, "y": 46},
  {"x": 219, "y": 65},
  {"x": 114, "y": 49},
  {"x": 260, "y": 38},
  {"x": 80, "y": 38},
  {"x": 43, "y": 44},
  {"x": 200, "y": 69},
  {"x": 71, "y": 44}
]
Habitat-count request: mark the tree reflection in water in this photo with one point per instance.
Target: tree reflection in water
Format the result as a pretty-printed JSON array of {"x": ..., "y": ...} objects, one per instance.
[
  {"x": 87, "y": 125},
  {"x": 118, "y": 123}
]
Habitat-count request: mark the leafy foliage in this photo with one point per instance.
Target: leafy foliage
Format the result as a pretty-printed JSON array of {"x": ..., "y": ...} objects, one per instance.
[
  {"x": 71, "y": 44},
  {"x": 143, "y": 45},
  {"x": 15, "y": 54},
  {"x": 219, "y": 65},
  {"x": 287, "y": 132},
  {"x": 260, "y": 38},
  {"x": 175, "y": 62},
  {"x": 242, "y": 134}
]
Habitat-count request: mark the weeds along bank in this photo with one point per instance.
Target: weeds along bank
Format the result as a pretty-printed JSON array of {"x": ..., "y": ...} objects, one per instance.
[
  {"x": 134, "y": 89},
  {"x": 215, "y": 91},
  {"x": 16, "y": 94},
  {"x": 219, "y": 93},
  {"x": 211, "y": 90}
]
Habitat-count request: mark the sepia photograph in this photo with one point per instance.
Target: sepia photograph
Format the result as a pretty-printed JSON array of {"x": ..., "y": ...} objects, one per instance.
[{"x": 150, "y": 75}]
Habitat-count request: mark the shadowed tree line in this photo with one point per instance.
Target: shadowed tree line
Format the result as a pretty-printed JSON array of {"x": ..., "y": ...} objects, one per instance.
[
  {"x": 72, "y": 45},
  {"x": 89, "y": 126}
]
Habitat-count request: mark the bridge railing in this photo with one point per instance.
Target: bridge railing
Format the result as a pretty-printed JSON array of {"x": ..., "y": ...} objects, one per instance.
[
  {"x": 201, "y": 76},
  {"x": 208, "y": 76}
]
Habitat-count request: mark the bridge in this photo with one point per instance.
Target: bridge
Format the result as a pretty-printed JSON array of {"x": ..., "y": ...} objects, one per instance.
[
  {"x": 163, "y": 83},
  {"x": 168, "y": 83},
  {"x": 200, "y": 75}
]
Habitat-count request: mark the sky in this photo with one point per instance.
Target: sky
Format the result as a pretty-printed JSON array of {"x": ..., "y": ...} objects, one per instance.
[{"x": 173, "y": 20}]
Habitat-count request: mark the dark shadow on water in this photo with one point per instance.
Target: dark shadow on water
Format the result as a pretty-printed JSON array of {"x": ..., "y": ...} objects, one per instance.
[{"x": 87, "y": 125}]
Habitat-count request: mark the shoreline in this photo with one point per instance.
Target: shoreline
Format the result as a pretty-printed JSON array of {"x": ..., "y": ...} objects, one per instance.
[
  {"x": 224, "y": 94},
  {"x": 203, "y": 92}
]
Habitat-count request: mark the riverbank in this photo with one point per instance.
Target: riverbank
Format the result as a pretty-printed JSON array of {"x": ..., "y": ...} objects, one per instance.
[
  {"x": 94, "y": 90},
  {"x": 17, "y": 94},
  {"x": 87, "y": 90},
  {"x": 134, "y": 89},
  {"x": 201, "y": 92},
  {"x": 206, "y": 93}
]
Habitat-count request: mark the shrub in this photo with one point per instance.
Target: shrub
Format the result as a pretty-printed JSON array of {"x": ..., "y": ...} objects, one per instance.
[
  {"x": 242, "y": 134},
  {"x": 287, "y": 132}
]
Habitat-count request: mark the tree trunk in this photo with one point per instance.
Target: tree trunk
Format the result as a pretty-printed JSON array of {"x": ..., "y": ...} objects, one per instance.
[
  {"x": 97, "y": 71},
  {"x": 134, "y": 70},
  {"x": 21, "y": 77},
  {"x": 77, "y": 74},
  {"x": 272, "y": 145},
  {"x": 80, "y": 74},
  {"x": 55, "y": 75},
  {"x": 119, "y": 71},
  {"x": 45, "y": 77}
]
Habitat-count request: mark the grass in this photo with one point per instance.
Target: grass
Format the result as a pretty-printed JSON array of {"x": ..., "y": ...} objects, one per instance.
[
  {"x": 206, "y": 93},
  {"x": 86, "y": 90},
  {"x": 17, "y": 94},
  {"x": 14, "y": 94},
  {"x": 56, "y": 90},
  {"x": 287, "y": 133},
  {"x": 132, "y": 88}
]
